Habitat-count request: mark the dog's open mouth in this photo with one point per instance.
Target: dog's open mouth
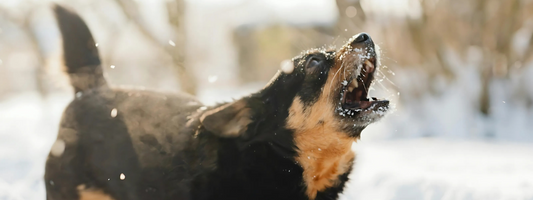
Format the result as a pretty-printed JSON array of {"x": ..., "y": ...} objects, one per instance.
[{"x": 355, "y": 91}]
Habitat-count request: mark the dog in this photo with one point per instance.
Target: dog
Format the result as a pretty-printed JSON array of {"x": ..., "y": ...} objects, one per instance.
[{"x": 290, "y": 140}]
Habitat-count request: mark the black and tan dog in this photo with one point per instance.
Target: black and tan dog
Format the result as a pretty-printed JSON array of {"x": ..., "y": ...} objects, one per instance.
[{"x": 290, "y": 140}]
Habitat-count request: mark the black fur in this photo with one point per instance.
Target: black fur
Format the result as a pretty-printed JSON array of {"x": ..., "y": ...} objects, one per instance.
[
  {"x": 80, "y": 52},
  {"x": 78, "y": 35},
  {"x": 315, "y": 77}
]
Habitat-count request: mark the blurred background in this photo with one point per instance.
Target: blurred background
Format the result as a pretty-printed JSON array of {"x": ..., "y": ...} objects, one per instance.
[{"x": 459, "y": 72}]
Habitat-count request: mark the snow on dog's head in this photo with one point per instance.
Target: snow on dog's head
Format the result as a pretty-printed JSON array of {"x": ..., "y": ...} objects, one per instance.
[{"x": 334, "y": 88}]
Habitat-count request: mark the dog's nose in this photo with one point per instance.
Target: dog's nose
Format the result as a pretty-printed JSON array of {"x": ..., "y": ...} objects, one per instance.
[
  {"x": 361, "y": 37},
  {"x": 362, "y": 40}
]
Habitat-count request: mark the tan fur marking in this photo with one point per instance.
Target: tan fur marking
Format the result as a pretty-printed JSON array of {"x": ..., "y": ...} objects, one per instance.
[
  {"x": 323, "y": 151},
  {"x": 92, "y": 194}
]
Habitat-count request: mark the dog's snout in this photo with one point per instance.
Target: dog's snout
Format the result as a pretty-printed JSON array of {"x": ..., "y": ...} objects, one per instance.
[
  {"x": 361, "y": 37},
  {"x": 361, "y": 40}
]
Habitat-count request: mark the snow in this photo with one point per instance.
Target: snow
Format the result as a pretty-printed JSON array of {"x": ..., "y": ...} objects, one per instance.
[
  {"x": 114, "y": 112},
  {"x": 212, "y": 79},
  {"x": 287, "y": 66},
  {"x": 428, "y": 168},
  {"x": 28, "y": 129},
  {"x": 58, "y": 148},
  {"x": 171, "y": 43},
  {"x": 344, "y": 83}
]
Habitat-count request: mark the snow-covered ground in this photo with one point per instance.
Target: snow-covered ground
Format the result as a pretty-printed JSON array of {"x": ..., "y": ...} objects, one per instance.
[
  {"x": 442, "y": 169},
  {"x": 416, "y": 168},
  {"x": 28, "y": 127}
]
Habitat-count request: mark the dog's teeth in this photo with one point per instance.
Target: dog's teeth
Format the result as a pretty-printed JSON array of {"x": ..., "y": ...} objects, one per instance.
[
  {"x": 369, "y": 67},
  {"x": 353, "y": 85}
]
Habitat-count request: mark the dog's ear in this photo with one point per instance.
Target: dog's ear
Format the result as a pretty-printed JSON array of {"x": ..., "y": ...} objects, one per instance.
[{"x": 230, "y": 120}]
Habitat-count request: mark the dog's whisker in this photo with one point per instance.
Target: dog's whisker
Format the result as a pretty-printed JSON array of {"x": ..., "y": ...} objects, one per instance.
[
  {"x": 384, "y": 87},
  {"x": 366, "y": 89},
  {"x": 331, "y": 83},
  {"x": 386, "y": 78}
]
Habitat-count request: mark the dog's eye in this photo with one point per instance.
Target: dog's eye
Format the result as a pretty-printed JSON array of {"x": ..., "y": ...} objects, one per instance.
[{"x": 313, "y": 62}]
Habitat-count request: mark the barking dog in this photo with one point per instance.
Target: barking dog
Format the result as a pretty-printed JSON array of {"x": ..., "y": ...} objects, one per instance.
[{"x": 290, "y": 140}]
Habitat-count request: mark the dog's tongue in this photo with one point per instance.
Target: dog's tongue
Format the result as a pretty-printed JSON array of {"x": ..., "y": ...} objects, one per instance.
[
  {"x": 365, "y": 104},
  {"x": 360, "y": 104}
]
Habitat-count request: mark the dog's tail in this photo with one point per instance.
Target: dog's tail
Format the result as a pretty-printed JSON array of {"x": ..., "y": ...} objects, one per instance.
[{"x": 80, "y": 53}]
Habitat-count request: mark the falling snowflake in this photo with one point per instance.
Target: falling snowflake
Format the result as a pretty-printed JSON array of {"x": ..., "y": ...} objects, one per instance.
[
  {"x": 287, "y": 66},
  {"x": 58, "y": 148},
  {"x": 212, "y": 79},
  {"x": 114, "y": 112}
]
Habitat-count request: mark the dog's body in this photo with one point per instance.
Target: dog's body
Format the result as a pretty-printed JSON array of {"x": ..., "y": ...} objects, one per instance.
[{"x": 291, "y": 140}]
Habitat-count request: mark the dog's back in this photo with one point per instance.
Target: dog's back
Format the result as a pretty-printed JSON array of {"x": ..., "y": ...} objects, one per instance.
[{"x": 126, "y": 142}]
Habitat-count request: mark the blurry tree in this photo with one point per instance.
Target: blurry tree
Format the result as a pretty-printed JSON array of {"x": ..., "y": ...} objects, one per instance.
[
  {"x": 351, "y": 16},
  {"x": 261, "y": 48},
  {"x": 24, "y": 22},
  {"x": 176, "y": 15},
  {"x": 487, "y": 25}
]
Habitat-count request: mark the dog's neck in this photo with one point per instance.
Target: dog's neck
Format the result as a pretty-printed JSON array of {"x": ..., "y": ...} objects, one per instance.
[
  {"x": 324, "y": 151},
  {"x": 323, "y": 161}
]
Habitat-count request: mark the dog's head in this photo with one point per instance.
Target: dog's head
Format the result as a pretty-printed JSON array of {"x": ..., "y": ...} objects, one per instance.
[{"x": 328, "y": 88}]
